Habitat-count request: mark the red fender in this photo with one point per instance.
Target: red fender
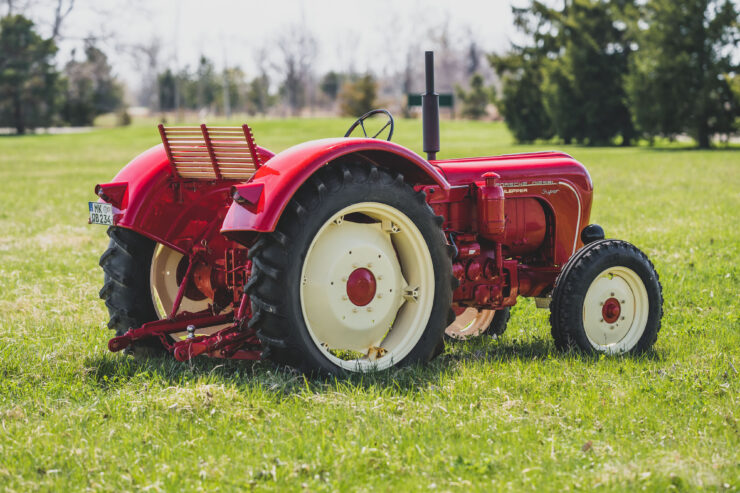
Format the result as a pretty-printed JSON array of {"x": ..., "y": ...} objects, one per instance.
[
  {"x": 148, "y": 199},
  {"x": 263, "y": 199}
]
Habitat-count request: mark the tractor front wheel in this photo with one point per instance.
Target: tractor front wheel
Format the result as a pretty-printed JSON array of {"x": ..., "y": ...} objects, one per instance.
[
  {"x": 607, "y": 299},
  {"x": 356, "y": 277}
]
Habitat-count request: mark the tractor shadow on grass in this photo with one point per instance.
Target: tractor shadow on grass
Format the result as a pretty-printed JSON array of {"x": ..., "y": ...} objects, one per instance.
[
  {"x": 507, "y": 349},
  {"x": 110, "y": 371}
]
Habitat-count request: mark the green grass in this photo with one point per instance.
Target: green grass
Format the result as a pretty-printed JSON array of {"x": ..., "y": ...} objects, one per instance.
[{"x": 507, "y": 414}]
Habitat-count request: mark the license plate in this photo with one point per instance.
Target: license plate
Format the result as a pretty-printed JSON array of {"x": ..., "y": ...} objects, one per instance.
[{"x": 101, "y": 213}]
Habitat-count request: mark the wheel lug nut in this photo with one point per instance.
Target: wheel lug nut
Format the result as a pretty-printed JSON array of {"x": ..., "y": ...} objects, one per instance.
[
  {"x": 369, "y": 308},
  {"x": 380, "y": 295},
  {"x": 344, "y": 298},
  {"x": 369, "y": 265},
  {"x": 612, "y": 294},
  {"x": 601, "y": 303},
  {"x": 623, "y": 301},
  {"x": 354, "y": 310},
  {"x": 602, "y": 320}
]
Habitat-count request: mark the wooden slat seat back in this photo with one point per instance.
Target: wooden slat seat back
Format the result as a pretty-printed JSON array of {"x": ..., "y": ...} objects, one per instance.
[{"x": 211, "y": 153}]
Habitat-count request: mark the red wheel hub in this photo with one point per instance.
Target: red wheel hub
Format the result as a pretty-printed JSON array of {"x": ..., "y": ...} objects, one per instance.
[
  {"x": 361, "y": 287},
  {"x": 611, "y": 310}
]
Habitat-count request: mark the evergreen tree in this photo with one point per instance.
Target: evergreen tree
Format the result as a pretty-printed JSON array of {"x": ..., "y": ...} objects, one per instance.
[
  {"x": 679, "y": 79},
  {"x": 91, "y": 88},
  {"x": 584, "y": 87},
  {"x": 577, "y": 58},
  {"x": 259, "y": 99},
  {"x": 475, "y": 100},
  {"x": 28, "y": 80},
  {"x": 521, "y": 100},
  {"x": 358, "y": 97},
  {"x": 206, "y": 85},
  {"x": 167, "y": 89},
  {"x": 233, "y": 81},
  {"x": 330, "y": 85}
]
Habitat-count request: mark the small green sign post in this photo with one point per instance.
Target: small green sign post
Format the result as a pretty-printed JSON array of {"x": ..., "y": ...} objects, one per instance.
[{"x": 446, "y": 100}]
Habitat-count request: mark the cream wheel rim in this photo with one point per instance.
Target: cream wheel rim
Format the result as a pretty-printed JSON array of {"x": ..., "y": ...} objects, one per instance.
[
  {"x": 163, "y": 286},
  {"x": 615, "y": 310},
  {"x": 470, "y": 323},
  {"x": 378, "y": 327}
]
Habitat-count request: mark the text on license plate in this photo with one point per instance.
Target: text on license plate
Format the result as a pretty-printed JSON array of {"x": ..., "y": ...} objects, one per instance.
[{"x": 101, "y": 213}]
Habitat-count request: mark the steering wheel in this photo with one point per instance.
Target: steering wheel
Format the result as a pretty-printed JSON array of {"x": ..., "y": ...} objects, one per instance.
[{"x": 360, "y": 121}]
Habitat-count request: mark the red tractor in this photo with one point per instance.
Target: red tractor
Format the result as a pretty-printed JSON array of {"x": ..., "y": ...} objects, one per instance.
[{"x": 355, "y": 254}]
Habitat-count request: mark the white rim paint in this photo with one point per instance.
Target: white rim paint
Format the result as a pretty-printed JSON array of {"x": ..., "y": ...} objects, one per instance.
[
  {"x": 164, "y": 287},
  {"x": 381, "y": 333},
  {"x": 626, "y": 286}
]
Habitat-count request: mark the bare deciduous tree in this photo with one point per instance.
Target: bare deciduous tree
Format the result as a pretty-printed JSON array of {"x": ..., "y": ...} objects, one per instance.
[
  {"x": 147, "y": 60},
  {"x": 297, "y": 50},
  {"x": 60, "y": 14}
]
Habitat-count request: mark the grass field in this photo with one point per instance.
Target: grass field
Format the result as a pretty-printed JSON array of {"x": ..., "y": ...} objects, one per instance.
[{"x": 507, "y": 414}]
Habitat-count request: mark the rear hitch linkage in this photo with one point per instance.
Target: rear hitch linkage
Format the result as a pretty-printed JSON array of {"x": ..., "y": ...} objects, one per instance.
[{"x": 236, "y": 341}]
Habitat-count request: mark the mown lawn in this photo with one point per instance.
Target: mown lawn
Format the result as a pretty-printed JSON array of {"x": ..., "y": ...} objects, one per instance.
[{"x": 507, "y": 414}]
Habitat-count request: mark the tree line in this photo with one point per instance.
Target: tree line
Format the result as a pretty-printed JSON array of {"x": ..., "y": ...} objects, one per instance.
[
  {"x": 205, "y": 88},
  {"x": 34, "y": 93},
  {"x": 599, "y": 72},
  {"x": 589, "y": 71}
]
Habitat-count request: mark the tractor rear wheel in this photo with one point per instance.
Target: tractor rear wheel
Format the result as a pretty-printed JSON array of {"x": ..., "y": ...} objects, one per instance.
[
  {"x": 126, "y": 287},
  {"x": 607, "y": 299},
  {"x": 356, "y": 277}
]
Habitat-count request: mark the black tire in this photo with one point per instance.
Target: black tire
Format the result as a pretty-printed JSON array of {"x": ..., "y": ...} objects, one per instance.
[
  {"x": 126, "y": 290},
  {"x": 499, "y": 323},
  {"x": 277, "y": 262},
  {"x": 574, "y": 281}
]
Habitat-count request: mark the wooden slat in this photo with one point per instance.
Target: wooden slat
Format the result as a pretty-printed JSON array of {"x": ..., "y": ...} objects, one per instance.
[
  {"x": 196, "y": 130},
  {"x": 234, "y": 154},
  {"x": 210, "y": 153},
  {"x": 192, "y": 142},
  {"x": 228, "y": 155},
  {"x": 191, "y": 167},
  {"x": 212, "y": 176},
  {"x": 182, "y": 155},
  {"x": 215, "y": 144},
  {"x": 226, "y": 166},
  {"x": 223, "y": 166},
  {"x": 195, "y": 133},
  {"x": 229, "y": 146},
  {"x": 223, "y": 170},
  {"x": 232, "y": 160}
]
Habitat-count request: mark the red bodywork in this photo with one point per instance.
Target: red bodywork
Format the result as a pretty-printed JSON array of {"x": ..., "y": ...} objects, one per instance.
[{"x": 515, "y": 220}]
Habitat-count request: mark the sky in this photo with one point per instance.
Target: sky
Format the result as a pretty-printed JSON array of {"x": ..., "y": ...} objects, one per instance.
[{"x": 357, "y": 35}]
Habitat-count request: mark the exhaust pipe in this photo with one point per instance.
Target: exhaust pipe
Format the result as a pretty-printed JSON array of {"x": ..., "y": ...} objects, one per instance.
[{"x": 430, "y": 111}]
